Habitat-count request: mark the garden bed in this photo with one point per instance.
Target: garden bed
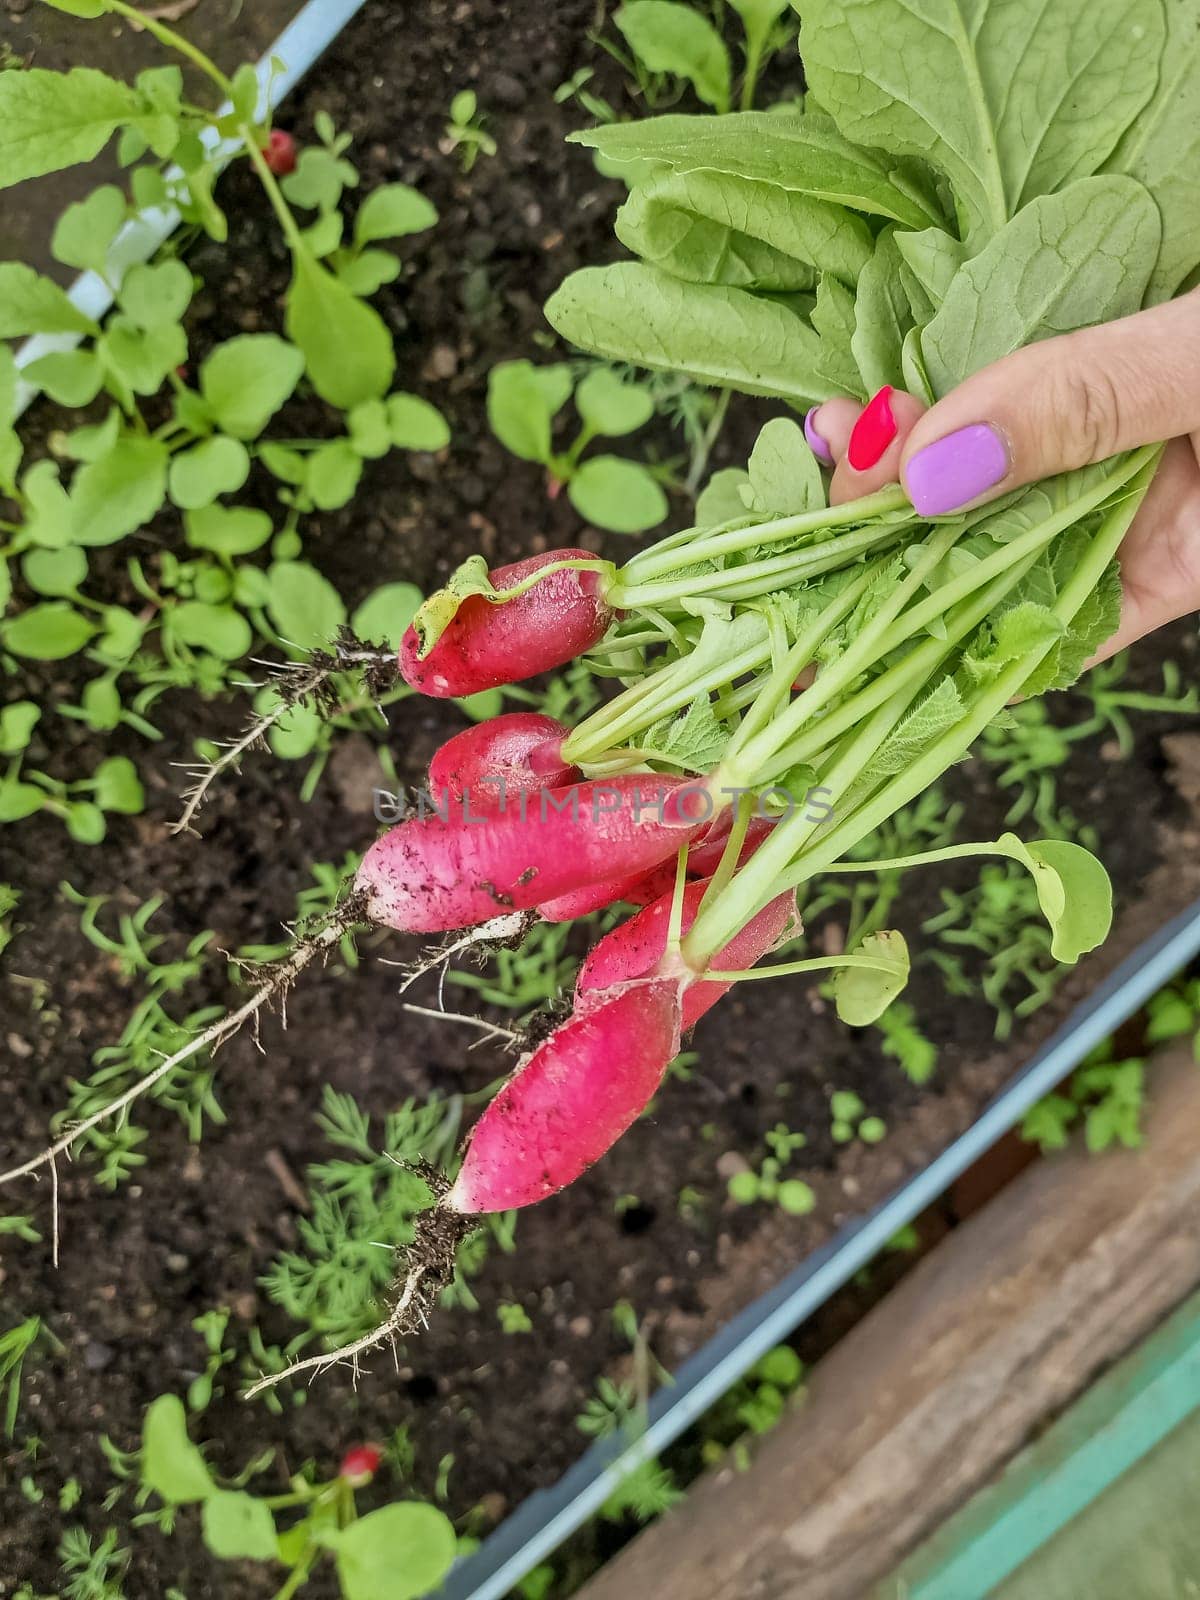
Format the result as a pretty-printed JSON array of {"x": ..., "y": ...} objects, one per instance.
[{"x": 200, "y": 1224}]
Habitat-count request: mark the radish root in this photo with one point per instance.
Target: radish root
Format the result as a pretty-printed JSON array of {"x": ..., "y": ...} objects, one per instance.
[
  {"x": 297, "y": 682},
  {"x": 427, "y": 1268},
  {"x": 278, "y": 979}
]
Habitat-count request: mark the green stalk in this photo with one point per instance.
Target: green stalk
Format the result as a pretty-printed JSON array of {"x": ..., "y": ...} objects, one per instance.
[
  {"x": 173, "y": 41},
  {"x": 779, "y": 864},
  {"x": 787, "y": 969}
]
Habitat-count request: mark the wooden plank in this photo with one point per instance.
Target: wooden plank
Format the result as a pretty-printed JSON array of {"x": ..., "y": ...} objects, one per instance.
[{"x": 947, "y": 1379}]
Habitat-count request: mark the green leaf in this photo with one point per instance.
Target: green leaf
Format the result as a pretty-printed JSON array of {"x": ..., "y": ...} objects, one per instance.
[
  {"x": 721, "y": 498},
  {"x": 50, "y": 120},
  {"x": 142, "y": 357},
  {"x": 48, "y": 632},
  {"x": 385, "y": 614},
  {"x": 116, "y": 786},
  {"x": 227, "y": 530},
  {"x": 674, "y": 38},
  {"x": 610, "y": 405},
  {"x": 415, "y": 424},
  {"x": 1161, "y": 149},
  {"x": 882, "y": 318},
  {"x": 171, "y": 1465},
  {"x": 219, "y": 629},
  {"x": 931, "y": 257},
  {"x": 724, "y": 337},
  {"x": 19, "y": 800},
  {"x": 211, "y": 468},
  {"x": 1066, "y": 261},
  {"x": 783, "y": 473},
  {"x": 833, "y": 318},
  {"x": 120, "y": 492},
  {"x": 17, "y": 722},
  {"x": 619, "y": 495},
  {"x": 55, "y": 572},
  {"x": 237, "y": 1527},
  {"x": 364, "y": 274},
  {"x": 695, "y": 740},
  {"x": 305, "y": 607},
  {"x": 48, "y": 520},
  {"x": 296, "y": 733},
  {"x": 521, "y": 404},
  {"x": 1010, "y": 102},
  {"x": 438, "y": 610},
  {"x": 392, "y": 211},
  {"x": 246, "y": 380},
  {"x": 934, "y": 715},
  {"x": 715, "y": 227},
  {"x": 863, "y": 994},
  {"x": 319, "y": 178},
  {"x": 72, "y": 377},
  {"x": 30, "y": 303},
  {"x": 399, "y": 1552},
  {"x": 156, "y": 296},
  {"x": 370, "y": 434},
  {"x": 85, "y": 230},
  {"x": 333, "y": 473},
  {"x": 85, "y": 822},
  {"x": 347, "y": 347},
  {"x": 79, "y": 8},
  {"x": 1073, "y": 891},
  {"x": 779, "y": 149}
]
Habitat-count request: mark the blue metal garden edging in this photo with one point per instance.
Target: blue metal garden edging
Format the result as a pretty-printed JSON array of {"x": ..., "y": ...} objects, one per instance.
[
  {"x": 549, "y": 1517},
  {"x": 309, "y": 34}
]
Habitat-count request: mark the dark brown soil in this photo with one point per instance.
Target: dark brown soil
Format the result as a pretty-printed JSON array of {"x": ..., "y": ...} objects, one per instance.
[{"x": 202, "y": 1223}]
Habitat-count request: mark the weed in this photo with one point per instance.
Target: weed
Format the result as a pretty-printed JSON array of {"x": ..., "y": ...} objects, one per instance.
[{"x": 465, "y": 132}]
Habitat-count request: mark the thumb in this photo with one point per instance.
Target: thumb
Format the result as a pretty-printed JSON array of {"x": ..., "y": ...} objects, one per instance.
[{"x": 1058, "y": 405}]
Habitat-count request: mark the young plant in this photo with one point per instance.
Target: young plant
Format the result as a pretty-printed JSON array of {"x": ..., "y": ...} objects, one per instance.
[
  {"x": 673, "y": 40},
  {"x": 465, "y": 131},
  {"x": 610, "y": 491},
  {"x": 1107, "y": 1096},
  {"x": 848, "y": 1119},
  {"x": 398, "y": 1552}
]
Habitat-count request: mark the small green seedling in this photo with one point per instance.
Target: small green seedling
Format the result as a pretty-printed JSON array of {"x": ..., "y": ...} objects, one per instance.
[
  {"x": 669, "y": 41},
  {"x": 611, "y": 492},
  {"x": 905, "y": 1043},
  {"x": 513, "y": 1318},
  {"x": 465, "y": 132},
  {"x": 1107, "y": 1096},
  {"x": 15, "y": 1345},
  {"x": 397, "y": 1552},
  {"x": 791, "y": 1195},
  {"x": 849, "y": 1120}
]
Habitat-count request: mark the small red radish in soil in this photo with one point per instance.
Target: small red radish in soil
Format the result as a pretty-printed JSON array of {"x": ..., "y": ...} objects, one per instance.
[
  {"x": 360, "y": 1464},
  {"x": 492, "y": 762},
  {"x": 280, "y": 153},
  {"x": 487, "y": 643},
  {"x": 431, "y": 874},
  {"x": 571, "y": 1100},
  {"x": 635, "y": 949}
]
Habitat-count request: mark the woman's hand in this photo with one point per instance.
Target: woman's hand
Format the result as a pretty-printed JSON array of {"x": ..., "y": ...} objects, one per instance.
[{"x": 1050, "y": 408}]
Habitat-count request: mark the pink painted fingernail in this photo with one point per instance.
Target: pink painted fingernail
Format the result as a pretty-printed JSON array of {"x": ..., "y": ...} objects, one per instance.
[
  {"x": 816, "y": 444},
  {"x": 954, "y": 470}
]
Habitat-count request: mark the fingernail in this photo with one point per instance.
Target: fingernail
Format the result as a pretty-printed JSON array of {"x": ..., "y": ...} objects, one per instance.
[
  {"x": 956, "y": 469},
  {"x": 816, "y": 443},
  {"x": 873, "y": 432}
]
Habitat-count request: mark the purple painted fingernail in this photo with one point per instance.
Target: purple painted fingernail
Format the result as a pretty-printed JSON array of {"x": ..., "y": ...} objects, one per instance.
[
  {"x": 956, "y": 469},
  {"x": 815, "y": 442}
]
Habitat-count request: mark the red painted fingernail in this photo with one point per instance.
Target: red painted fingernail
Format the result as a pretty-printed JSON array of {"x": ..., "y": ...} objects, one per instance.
[{"x": 873, "y": 432}]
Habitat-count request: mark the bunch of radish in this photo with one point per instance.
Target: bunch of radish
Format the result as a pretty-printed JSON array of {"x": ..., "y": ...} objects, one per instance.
[{"x": 784, "y": 684}]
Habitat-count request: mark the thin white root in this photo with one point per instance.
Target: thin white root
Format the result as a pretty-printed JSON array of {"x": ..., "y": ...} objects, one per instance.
[
  {"x": 306, "y": 683},
  {"x": 396, "y": 1323},
  {"x": 489, "y": 1030},
  {"x": 283, "y": 974},
  {"x": 498, "y": 931}
]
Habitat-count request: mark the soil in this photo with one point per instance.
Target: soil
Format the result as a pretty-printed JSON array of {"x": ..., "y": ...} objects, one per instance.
[{"x": 201, "y": 1223}]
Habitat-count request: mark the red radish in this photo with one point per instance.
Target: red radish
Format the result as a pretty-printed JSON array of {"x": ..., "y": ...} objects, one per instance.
[
  {"x": 635, "y": 948},
  {"x": 639, "y": 890},
  {"x": 431, "y": 873},
  {"x": 360, "y": 1464},
  {"x": 571, "y": 1100},
  {"x": 487, "y": 643},
  {"x": 280, "y": 153},
  {"x": 492, "y": 762}
]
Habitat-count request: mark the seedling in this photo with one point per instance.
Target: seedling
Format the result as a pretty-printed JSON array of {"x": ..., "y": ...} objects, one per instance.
[
  {"x": 849, "y": 1120},
  {"x": 465, "y": 131},
  {"x": 513, "y": 1318},
  {"x": 1106, "y": 1095},
  {"x": 612, "y": 492},
  {"x": 673, "y": 41},
  {"x": 399, "y": 1551},
  {"x": 15, "y": 1345},
  {"x": 1174, "y": 1013},
  {"x": 906, "y": 1044}
]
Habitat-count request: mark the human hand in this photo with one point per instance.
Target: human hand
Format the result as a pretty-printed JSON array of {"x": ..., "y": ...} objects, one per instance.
[{"x": 1052, "y": 407}]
